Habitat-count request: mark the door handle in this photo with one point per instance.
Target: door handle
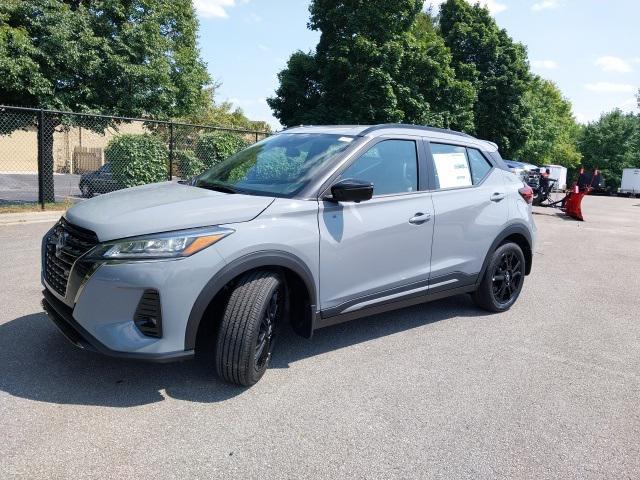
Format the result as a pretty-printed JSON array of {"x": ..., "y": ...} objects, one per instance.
[
  {"x": 419, "y": 218},
  {"x": 496, "y": 197}
]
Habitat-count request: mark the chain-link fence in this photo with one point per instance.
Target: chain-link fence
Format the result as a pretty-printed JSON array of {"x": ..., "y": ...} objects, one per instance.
[{"x": 49, "y": 156}]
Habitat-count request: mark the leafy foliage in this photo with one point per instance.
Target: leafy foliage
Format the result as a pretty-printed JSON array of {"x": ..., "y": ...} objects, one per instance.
[
  {"x": 274, "y": 166},
  {"x": 189, "y": 165},
  {"x": 65, "y": 55},
  {"x": 372, "y": 66},
  {"x": 212, "y": 148},
  {"x": 137, "y": 159},
  {"x": 497, "y": 67},
  {"x": 134, "y": 58},
  {"x": 553, "y": 132},
  {"x": 611, "y": 144},
  {"x": 222, "y": 114}
]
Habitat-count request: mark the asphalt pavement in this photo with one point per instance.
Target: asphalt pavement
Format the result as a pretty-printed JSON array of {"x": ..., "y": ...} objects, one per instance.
[
  {"x": 550, "y": 389},
  {"x": 23, "y": 187}
]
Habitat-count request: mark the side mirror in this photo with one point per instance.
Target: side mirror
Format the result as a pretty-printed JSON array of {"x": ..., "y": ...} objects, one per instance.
[{"x": 352, "y": 191}]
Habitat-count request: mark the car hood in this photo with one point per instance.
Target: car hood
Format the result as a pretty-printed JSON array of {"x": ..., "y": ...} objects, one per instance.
[{"x": 162, "y": 207}]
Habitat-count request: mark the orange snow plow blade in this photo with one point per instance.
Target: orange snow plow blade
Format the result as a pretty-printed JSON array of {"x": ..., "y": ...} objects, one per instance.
[{"x": 572, "y": 204}]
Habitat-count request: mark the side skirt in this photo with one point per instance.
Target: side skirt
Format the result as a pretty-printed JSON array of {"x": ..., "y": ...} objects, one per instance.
[{"x": 394, "y": 304}]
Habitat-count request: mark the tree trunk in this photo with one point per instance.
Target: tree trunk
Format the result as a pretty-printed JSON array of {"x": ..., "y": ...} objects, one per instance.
[{"x": 45, "y": 162}]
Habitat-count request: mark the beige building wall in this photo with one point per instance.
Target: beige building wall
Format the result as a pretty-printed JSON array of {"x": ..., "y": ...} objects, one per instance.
[{"x": 19, "y": 150}]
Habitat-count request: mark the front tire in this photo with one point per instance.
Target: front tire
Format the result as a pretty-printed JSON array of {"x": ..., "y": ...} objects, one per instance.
[
  {"x": 247, "y": 328},
  {"x": 503, "y": 279}
]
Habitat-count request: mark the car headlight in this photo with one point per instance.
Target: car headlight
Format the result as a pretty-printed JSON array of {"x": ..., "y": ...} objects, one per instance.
[{"x": 166, "y": 245}]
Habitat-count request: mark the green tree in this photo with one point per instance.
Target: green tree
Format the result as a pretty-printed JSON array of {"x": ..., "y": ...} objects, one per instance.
[
  {"x": 133, "y": 58},
  {"x": 497, "y": 66},
  {"x": 372, "y": 65},
  {"x": 553, "y": 132},
  {"x": 222, "y": 114},
  {"x": 611, "y": 144}
]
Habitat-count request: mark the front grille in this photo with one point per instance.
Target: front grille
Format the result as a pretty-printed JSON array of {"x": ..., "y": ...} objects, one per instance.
[{"x": 64, "y": 245}]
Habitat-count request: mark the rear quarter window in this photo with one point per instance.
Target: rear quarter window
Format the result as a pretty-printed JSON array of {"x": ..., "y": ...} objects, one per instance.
[{"x": 480, "y": 166}]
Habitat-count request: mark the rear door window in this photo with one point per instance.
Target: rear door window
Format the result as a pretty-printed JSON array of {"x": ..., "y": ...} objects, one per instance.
[
  {"x": 457, "y": 167},
  {"x": 451, "y": 166}
]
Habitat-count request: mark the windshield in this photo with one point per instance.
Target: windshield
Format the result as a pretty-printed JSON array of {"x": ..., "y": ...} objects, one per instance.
[{"x": 279, "y": 166}]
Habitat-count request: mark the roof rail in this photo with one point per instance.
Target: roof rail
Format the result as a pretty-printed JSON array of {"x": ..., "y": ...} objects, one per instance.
[
  {"x": 414, "y": 127},
  {"x": 294, "y": 126}
]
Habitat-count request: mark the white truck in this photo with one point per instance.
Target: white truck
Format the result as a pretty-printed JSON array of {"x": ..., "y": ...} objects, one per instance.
[{"x": 630, "y": 185}]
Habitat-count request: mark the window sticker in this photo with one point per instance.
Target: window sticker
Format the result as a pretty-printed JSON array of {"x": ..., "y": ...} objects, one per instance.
[{"x": 453, "y": 169}]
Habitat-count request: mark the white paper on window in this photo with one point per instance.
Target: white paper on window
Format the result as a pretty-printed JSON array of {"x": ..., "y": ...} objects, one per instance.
[{"x": 453, "y": 169}]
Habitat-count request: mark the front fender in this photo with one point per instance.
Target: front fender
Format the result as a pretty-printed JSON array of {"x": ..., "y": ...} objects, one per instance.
[{"x": 264, "y": 258}]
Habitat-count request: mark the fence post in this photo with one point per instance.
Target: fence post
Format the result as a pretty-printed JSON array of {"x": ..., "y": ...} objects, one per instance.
[
  {"x": 170, "y": 151},
  {"x": 256, "y": 137},
  {"x": 41, "y": 158}
]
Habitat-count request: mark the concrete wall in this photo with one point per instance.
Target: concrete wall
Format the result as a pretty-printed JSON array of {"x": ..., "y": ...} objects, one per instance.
[{"x": 19, "y": 150}]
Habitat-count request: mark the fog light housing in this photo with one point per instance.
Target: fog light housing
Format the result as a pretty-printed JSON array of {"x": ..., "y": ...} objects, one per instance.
[{"x": 148, "y": 316}]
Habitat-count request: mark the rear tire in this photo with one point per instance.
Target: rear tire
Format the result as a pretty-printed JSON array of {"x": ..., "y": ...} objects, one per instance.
[
  {"x": 245, "y": 339},
  {"x": 502, "y": 282}
]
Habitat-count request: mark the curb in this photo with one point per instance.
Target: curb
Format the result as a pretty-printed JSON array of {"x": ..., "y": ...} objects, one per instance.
[{"x": 21, "y": 218}]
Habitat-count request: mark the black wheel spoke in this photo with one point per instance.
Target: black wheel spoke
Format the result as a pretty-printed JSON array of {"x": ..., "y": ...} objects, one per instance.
[
  {"x": 507, "y": 277},
  {"x": 267, "y": 326}
]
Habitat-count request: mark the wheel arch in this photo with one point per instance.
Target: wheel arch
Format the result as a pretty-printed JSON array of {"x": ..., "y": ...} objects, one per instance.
[
  {"x": 521, "y": 236},
  {"x": 297, "y": 276}
]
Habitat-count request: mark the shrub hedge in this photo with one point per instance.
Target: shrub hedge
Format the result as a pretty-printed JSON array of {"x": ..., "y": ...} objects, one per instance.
[
  {"x": 137, "y": 159},
  {"x": 212, "y": 148}
]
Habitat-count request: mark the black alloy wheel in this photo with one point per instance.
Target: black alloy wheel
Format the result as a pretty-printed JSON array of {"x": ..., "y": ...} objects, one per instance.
[
  {"x": 502, "y": 281},
  {"x": 507, "y": 277},
  {"x": 264, "y": 343}
]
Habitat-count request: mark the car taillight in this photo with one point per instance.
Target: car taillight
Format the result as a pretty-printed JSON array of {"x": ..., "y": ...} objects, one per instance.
[{"x": 526, "y": 192}]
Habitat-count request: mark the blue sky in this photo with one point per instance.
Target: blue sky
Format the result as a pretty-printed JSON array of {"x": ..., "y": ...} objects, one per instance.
[{"x": 589, "y": 48}]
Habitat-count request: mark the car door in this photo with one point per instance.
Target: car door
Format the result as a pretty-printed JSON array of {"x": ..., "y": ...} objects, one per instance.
[
  {"x": 470, "y": 210},
  {"x": 377, "y": 250}
]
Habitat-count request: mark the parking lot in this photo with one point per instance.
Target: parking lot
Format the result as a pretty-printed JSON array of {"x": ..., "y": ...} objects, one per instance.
[
  {"x": 550, "y": 389},
  {"x": 18, "y": 188}
]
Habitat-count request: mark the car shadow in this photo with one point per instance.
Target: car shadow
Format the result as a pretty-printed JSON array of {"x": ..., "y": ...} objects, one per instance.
[{"x": 38, "y": 363}]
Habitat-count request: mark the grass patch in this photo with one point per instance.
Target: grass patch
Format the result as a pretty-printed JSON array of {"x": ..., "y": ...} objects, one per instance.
[{"x": 34, "y": 207}]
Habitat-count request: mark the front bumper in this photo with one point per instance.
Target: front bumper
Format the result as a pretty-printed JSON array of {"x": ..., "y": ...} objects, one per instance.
[
  {"x": 98, "y": 308},
  {"x": 62, "y": 316}
]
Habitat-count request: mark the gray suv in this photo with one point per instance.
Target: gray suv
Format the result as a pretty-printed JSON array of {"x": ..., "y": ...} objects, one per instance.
[{"x": 312, "y": 227}]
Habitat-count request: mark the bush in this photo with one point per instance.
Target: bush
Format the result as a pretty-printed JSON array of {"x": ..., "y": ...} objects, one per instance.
[
  {"x": 188, "y": 164},
  {"x": 137, "y": 159},
  {"x": 276, "y": 166},
  {"x": 212, "y": 148}
]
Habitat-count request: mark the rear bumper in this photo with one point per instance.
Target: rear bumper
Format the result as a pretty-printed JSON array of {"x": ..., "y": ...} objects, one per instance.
[{"x": 61, "y": 315}]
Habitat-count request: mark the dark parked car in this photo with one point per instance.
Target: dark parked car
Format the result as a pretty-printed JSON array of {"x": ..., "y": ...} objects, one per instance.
[{"x": 99, "y": 181}]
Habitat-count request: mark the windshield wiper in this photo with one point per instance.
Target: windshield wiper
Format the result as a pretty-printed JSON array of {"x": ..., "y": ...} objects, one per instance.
[{"x": 218, "y": 187}]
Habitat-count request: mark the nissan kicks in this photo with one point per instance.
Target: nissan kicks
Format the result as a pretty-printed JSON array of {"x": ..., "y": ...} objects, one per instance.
[{"x": 312, "y": 226}]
